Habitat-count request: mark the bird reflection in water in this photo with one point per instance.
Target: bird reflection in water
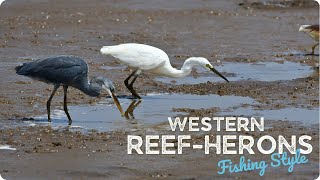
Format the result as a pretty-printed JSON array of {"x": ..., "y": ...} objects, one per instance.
[{"x": 129, "y": 112}]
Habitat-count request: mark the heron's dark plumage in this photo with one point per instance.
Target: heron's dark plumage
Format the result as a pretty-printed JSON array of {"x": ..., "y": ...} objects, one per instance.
[
  {"x": 66, "y": 71},
  {"x": 18, "y": 68},
  {"x": 56, "y": 70}
]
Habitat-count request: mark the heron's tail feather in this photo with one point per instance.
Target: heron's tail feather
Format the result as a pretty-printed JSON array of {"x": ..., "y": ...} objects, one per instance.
[
  {"x": 105, "y": 50},
  {"x": 111, "y": 50},
  {"x": 18, "y": 68}
]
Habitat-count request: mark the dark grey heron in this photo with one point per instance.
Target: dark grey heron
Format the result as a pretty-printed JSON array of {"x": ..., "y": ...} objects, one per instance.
[{"x": 67, "y": 71}]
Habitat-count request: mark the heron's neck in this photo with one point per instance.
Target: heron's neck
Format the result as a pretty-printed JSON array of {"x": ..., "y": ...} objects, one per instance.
[
  {"x": 183, "y": 72},
  {"x": 89, "y": 88}
]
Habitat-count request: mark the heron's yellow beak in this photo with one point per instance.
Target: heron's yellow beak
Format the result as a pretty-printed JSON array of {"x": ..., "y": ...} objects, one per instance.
[
  {"x": 216, "y": 71},
  {"x": 116, "y": 101}
]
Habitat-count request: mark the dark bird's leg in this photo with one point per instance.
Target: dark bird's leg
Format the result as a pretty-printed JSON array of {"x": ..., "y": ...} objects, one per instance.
[
  {"x": 130, "y": 86},
  {"x": 313, "y": 47},
  {"x": 133, "y": 91},
  {"x": 56, "y": 87},
  {"x": 65, "y": 108},
  {"x": 126, "y": 82}
]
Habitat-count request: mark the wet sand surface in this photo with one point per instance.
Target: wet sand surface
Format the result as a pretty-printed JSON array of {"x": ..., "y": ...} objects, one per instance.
[{"x": 256, "y": 45}]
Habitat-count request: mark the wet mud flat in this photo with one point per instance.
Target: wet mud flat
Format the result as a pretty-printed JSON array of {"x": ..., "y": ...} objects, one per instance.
[
  {"x": 44, "y": 152},
  {"x": 255, "y": 45}
]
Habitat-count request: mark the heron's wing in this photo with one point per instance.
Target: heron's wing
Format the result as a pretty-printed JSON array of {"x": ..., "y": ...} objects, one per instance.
[
  {"x": 313, "y": 31},
  {"x": 313, "y": 27},
  {"x": 140, "y": 56},
  {"x": 61, "y": 69}
]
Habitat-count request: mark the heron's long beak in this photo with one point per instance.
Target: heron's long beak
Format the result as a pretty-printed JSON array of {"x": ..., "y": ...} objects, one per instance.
[
  {"x": 219, "y": 74},
  {"x": 116, "y": 101}
]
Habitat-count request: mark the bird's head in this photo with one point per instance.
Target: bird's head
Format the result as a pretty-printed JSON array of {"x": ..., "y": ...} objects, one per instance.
[
  {"x": 303, "y": 28},
  {"x": 201, "y": 61},
  {"x": 107, "y": 85},
  {"x": 103, "y": 84}
]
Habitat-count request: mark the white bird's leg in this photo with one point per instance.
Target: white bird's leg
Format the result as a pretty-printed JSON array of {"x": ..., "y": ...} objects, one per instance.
[
  {"x": 56, "y": 87},
  {"x": 130, "y": 86},
  {"x": 313, "y": 47},
  {"x": 133, "y": 91},
  {"x": 65, "y": 108}
]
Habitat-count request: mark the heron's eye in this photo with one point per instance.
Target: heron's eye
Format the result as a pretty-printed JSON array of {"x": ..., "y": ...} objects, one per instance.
[{"x": 208, "y": 65}]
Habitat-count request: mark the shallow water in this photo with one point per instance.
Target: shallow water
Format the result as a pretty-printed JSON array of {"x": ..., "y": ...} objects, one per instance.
[
  {"x": 105, "y": 117},
  {"x": 112, "y": 67},
  {"x": 304, "y": 116},
  {"x": 261, "y": 71}
]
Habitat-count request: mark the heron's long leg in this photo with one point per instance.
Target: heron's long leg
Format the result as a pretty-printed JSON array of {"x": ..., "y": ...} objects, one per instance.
[
  {"x": 65, "y": 108},
  {"x": 56, "y": 87},
  {"x": 126, "y": 82},
  {"x": 132, "y": 90},
  {"x": 130, "y": 86},
  {"x": 313, "y": 47}
]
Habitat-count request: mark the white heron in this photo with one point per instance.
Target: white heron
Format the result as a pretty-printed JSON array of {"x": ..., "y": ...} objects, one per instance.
[{"x": 143, "y": 57}]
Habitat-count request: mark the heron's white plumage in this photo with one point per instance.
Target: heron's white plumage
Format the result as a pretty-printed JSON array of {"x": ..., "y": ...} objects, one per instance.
[
  {"x": 139, "y": 56},
  {"x": 1, "y": 1},
  {"x": 155, "y": 60},
  {"x": 1, "y": 178},
  {"x": 152, "y": 59}
]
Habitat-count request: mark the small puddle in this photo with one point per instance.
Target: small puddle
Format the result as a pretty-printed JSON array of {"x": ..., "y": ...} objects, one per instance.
[
  {"x": 262, "y": 71},
  {"x": 112, "y": 67},
  {"x": 28, "y": 58},
  {"x": 304, "y": 116},
  {"x": 154, "y": 109}
]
